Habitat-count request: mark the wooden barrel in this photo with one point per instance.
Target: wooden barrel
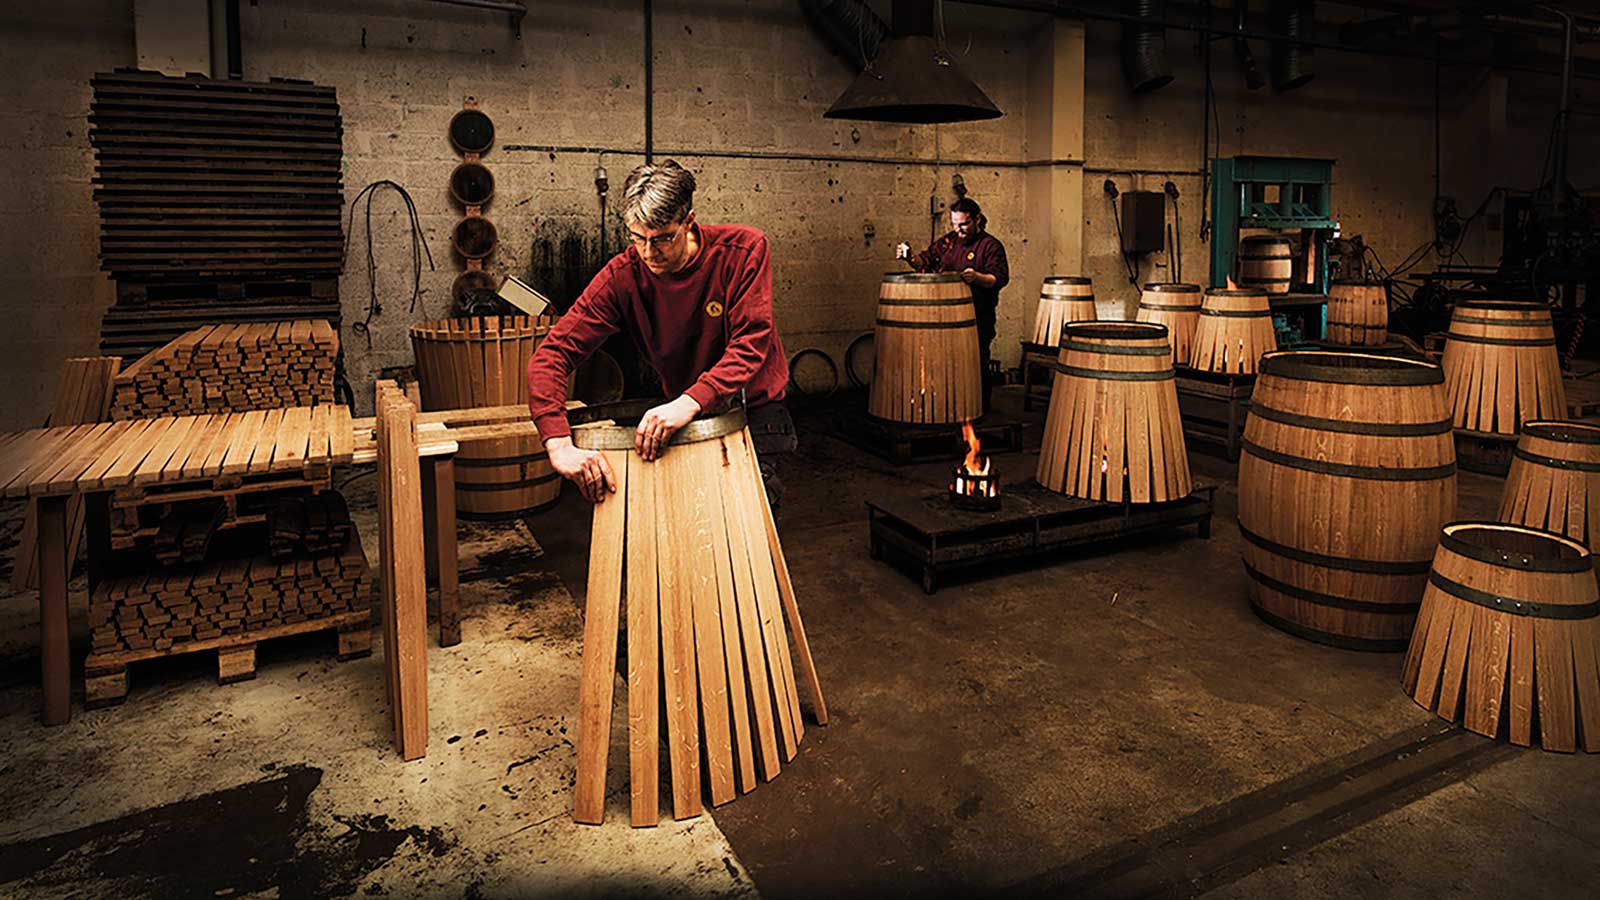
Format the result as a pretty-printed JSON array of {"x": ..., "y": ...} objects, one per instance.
[
  {"x": 1113, "y": 431},
  {"x": 1176, "y": 306},
  {"x": 1348, "y": 471},
  {"x": 690, "y": 541},
  {"x": 1501, "y": 367},
  {"x": 1509, "y": 632},
  {"x": 1554, "y": 481},
  {"x": 925, "y": 346},
  {"x": 1062, "y": 299},
  {"x": 1358, "y": 313},
  {"x": 465, "y": 363},
  {"x": 1266, "y": 262},
  {"x": 1233, "y": 331}
]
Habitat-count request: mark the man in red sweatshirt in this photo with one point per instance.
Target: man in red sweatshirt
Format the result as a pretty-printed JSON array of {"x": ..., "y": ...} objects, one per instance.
[{"x": 697, "y": 300}]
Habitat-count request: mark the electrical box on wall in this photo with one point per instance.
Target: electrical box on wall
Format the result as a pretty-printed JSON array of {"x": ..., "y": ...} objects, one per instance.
[{"x": 1144, "y": 219}]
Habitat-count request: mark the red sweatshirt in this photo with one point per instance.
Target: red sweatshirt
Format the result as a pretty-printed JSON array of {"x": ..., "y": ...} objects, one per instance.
[{"x": 707, "y": 330}]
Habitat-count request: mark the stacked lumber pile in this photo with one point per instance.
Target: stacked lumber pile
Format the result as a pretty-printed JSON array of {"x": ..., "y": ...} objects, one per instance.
[
  {"x": 219, "y": 201},
  {"x": 232, "y": 368},
  {"x": 165, "y": 610},
  {"x": 186, "y": 530},
  {"x": 308, "y": 526}
]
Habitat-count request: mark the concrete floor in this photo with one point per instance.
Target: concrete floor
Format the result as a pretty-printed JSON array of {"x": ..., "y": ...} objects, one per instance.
[{"x": 1118, "y": 724}]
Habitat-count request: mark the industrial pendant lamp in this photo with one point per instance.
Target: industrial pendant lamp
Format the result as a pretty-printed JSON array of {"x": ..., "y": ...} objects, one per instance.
[{"x": 913, "y": 79}]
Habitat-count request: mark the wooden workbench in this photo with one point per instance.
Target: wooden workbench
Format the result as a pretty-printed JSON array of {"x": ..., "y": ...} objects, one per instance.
[{"x": 167, "y": 456}]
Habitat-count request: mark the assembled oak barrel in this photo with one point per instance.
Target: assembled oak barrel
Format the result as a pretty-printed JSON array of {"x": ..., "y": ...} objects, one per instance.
[
  {"x": 1358, "y": 313},
  {"x": 1266, "y": 262},
  {"x": 925, "y": 343},
  {"x": 1062, "y": 299},
  {"x": 1509, "y": 634},
  {"x": 1554, "y": 482},
  {"x": 1501, "y": 367},
  {"x": 1113, "y": 432},
  {"x": 1176, "y": 306},
  {"x": 1233, "y": 331},
  {"x": 466, "y": 363},
  {"x": 1348, "y": 471}
]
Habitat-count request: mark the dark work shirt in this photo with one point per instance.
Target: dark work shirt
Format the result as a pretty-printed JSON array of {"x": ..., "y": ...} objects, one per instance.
[{"x": 983, "y": 253}]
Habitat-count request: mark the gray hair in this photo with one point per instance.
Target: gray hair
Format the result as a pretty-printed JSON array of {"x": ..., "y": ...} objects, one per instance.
[{"x": 658, "y": 196}]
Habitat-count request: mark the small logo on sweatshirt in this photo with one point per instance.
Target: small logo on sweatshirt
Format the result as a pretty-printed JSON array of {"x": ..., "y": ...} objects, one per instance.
[
  {"x": 972, "y": 254},
  {"x": 713, "y": 308}
]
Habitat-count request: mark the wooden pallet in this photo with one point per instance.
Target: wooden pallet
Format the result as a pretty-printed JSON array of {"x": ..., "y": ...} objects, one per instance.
[
  {"x": 105, "y": 680},
  {"x": 1037, "y": 360},
  {"x": 1214, "y": 408},
  {"x": 935, "y": 539},
  {"x": 904, "y": 444},
  {"x": 1484, "y": 453},
  {"x": 1583, "y": 397}
]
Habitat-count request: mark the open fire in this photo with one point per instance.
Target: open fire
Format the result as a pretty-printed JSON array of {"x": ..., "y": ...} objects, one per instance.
[{"x": 975, "y": 484}]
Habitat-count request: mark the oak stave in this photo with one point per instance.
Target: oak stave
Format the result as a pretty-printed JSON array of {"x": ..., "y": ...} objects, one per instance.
[
  {"x": 1358, "y": 313},
  {"x": 1501, "y": 367},
  {"x": 468, "y": 363},
  {"x": 925, "y": 346},
  {"x": 1177, "y": 306},
  {"x": 1509, "y": 635},
  {"x": 1232, "y": 332},
  {"x": 1062, "y": 299},
  {"x": 1113, "y": 431},
  {"x": 1346, "y": 473}
]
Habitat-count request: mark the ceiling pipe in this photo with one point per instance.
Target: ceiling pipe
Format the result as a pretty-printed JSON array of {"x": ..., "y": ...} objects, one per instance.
[
  {"x": 1288, "y": 61},
  {"x": 1102, "y": 12}
]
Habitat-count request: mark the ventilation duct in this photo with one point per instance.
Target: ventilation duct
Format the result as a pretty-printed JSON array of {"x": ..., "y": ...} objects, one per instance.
[
  {"x": 1289, "y": 68},
  {"x": 851, "y": 28},
  {"x": 913, "y": 79},
  {"x": 1144, "y": 48}
]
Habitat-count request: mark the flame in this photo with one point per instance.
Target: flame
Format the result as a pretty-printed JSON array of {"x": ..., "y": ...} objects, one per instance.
[
  {"x": 970, "y": 464},
  {"x": 1231, "y": 285}
]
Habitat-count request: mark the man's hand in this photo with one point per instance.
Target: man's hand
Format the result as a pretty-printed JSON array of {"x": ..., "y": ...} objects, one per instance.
[
  {"x": 902, "y": 250},
  {"x": 661, "y": 423},
  {"x": 587, "y": 469},
  {"x": 973, "y": 276}
]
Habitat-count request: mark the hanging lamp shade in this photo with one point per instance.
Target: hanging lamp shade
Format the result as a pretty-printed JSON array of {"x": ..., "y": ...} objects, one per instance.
[{"x": 913, "y": 80}]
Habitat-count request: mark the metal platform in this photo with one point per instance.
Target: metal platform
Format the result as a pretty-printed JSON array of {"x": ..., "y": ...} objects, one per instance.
[
  {"x": 903, "y": 444},
  {"x": 935, "y": 538},
  {"x": 1214, "y": 408},
  {"x": 1037, "y": 364}
]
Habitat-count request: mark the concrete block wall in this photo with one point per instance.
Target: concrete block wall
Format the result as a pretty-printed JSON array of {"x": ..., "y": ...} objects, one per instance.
[{"x": 728, "y": 75}]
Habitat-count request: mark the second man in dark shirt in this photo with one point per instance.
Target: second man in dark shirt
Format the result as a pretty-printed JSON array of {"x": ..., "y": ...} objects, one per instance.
[{"x": 980, "y": 258}]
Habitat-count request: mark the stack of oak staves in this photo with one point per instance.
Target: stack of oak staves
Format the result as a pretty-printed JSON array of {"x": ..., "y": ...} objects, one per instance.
[
  {"x": 186, "y": 530},
  {"x": 307, "y": 525},
  {"x": 163, "y": 610},
  {"x": 219, "y": 368}
]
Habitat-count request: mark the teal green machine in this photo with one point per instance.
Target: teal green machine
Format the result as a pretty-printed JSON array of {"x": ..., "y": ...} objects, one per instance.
[{"x": 1285, "y": 194}]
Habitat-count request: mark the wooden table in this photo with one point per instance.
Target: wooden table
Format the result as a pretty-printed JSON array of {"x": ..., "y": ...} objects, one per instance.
[{"x": 223, "y": 452}]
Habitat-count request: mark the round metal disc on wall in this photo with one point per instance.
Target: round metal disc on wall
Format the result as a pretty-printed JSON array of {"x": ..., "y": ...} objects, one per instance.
[
  {"x": 471, "y": 131},
  {"x": 859, "y": 360},
  {"x": 469, "y": 285},
  {"x": 471, "y": 184},
  {"x": 475, "y": 237}
]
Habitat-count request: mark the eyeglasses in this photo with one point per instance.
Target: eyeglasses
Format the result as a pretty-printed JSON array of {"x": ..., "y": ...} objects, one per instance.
[{"x": 657, "y": 242}]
